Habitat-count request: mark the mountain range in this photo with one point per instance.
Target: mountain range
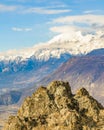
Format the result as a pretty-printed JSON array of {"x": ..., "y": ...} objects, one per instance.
[
  {"x": 77, "y": 43},
  {"x": 76, "y": 57}
]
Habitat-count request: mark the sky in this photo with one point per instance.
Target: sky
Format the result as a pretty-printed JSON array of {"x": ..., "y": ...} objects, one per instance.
[{"x": 24, "y": 23}]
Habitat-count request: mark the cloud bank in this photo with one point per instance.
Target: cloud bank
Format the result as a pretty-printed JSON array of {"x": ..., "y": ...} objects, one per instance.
[{"x": 84, "y": 23}]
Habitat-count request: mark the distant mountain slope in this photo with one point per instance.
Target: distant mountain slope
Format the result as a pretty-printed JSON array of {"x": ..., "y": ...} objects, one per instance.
[
  {"x": 55, "y": 108},
  {"x": 26, "y": 73},
  {"x": 11, "y": 97},
  {"x": 85, "y": 71},
  {"x": 97, "y": 52}
]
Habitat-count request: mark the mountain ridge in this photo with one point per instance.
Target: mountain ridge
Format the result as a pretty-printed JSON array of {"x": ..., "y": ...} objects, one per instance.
[{"x": 77, "y": 43}]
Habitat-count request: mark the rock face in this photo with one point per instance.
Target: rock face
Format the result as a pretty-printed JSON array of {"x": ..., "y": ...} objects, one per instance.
[{"x": 56, "y": 108}]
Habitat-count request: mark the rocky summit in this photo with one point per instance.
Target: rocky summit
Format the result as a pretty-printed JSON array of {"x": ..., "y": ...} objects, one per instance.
[{"x": 55, "y": 108}]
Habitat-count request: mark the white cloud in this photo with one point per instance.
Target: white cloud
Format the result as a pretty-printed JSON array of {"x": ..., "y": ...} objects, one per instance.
[
  {"x": 63, "y": 29},
  {"x": 86, "y": 19},
  {"x": 50, "y": 9},
  {"x": 92, "y": 11},
  {"x": 28, "y": 29},
  {"x": 88, "y": 11},
  {"x": 21, "y": 29},
  {"x": 84, "y": 23},
  {"x": 71, "y": 29},
  {"x": 7, "y": 8},
  {"x": 46, "y": 11}
]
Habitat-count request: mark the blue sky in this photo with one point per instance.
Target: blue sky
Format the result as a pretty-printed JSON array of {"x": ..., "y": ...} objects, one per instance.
[{"x": 24, "y": 23}]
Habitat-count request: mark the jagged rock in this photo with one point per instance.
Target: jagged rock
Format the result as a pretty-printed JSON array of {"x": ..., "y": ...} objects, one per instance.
[
  {"x": 88, "y": 104},
  {"x": 82, "y": 92},
  {"x": 56, "y": 108}
]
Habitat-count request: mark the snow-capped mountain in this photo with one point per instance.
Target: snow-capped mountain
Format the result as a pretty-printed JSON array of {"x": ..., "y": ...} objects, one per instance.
[
  {"x": 79, "y": 42},
  {"x": 28, "y": 66},
  {"x": 76, "y": 43}
]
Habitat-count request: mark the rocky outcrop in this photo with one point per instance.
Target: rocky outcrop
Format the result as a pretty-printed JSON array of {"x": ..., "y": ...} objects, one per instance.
[{"x": 55, "y": 108}]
